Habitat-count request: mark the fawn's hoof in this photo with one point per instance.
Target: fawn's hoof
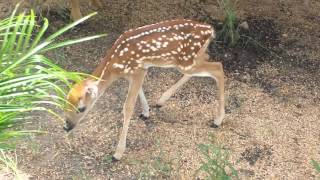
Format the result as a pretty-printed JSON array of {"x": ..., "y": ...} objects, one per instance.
[
  {"x": 213, "y": 125},
  {"x": 158, "y": 106},
  {"x": 114, "y": 160},
  {"x": 143, "y": 117}
]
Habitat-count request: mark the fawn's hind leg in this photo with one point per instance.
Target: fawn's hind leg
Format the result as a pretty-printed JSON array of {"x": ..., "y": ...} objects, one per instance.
[
  {"x": 145, "y": 106},
  {"x": 215, "y": 71}
]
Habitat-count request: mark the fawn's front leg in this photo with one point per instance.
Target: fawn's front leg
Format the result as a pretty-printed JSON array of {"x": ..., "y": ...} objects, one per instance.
[
  {"x": 135, "y": 85},
  {"x": 166, "y": 95}
]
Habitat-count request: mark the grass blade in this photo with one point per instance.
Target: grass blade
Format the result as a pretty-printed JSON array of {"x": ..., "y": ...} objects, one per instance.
[
  {"x": 22, "y": 34},
  {"x": 32, "y": 52},
  {"x": 12, "y": 39},
  {"x": 40, "y": 33},
  {"x": 4, "y": 43},
  {"x": 70, "y": 42},
  {"x": 29, "y": 31}
]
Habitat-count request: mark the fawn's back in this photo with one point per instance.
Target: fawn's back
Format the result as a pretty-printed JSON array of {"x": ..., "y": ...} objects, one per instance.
[{"x": 165, "y": 44}]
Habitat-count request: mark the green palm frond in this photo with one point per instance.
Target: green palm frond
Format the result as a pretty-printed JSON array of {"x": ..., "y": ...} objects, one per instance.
[{"x": 29, "y": 81}]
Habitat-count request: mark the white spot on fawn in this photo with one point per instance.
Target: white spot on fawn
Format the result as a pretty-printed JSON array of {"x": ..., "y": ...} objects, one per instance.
[
  {"x": 127, "y": 70},
  {"x": 116, "y": 65}
]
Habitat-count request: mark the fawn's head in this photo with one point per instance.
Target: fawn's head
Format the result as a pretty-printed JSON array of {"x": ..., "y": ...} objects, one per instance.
[{"x": 80, "y": 98}]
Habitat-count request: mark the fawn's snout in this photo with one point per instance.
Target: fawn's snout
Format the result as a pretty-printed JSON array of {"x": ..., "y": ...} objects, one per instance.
[{"x": 68, "y": 125}]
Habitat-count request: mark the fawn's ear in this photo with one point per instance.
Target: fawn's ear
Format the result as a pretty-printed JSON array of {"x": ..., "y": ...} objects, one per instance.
[{"x": 92, "y": 89}]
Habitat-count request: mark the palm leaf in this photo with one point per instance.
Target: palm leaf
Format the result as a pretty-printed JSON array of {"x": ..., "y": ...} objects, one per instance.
[{"x": 29, "y": 81}]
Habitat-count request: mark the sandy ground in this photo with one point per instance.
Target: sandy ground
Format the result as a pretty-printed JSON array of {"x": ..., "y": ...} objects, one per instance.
[{"x": 271, "y": 128}]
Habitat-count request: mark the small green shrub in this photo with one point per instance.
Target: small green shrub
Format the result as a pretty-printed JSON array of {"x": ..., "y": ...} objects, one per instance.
[
  {"x": 229, "y": 34},
  {"x": 159, "y": 167},
  {"x": 316, "y": 165},
  {"x": 9, "y": 163},
  {"x": 215, "y": 163}
]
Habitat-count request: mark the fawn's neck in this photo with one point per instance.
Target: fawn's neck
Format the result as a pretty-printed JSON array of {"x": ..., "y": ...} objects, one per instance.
[{"x": 105, "y": 75}]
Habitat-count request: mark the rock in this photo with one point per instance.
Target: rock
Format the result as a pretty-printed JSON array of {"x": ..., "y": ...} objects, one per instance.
[
  {"x": 211, "y": 8},
  {"x": 244, "y": 25}
]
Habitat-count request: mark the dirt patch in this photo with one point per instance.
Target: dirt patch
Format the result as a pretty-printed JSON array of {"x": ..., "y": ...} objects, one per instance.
[
  {"x": 256, "y": 45},
  {"x": 264, "y": 33},
  {"x": 254, "y": 153}
]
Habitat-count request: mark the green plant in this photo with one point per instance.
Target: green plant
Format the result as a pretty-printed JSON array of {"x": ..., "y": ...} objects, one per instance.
[
  {"x": 80, "y": 175},
  {"x": 215, "y": 164},
  {"x": 29, "y": 81},
  {"x": 107, "y": 159},
  {"x": 146, "y": 173},
  {"x": 316, "y": 165},
  {"x": 229, "y": 34},
  {"x": 9, "y": 167},
  {"x": 9, "y": 163},
  {"x": 159, "y": 167}
]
